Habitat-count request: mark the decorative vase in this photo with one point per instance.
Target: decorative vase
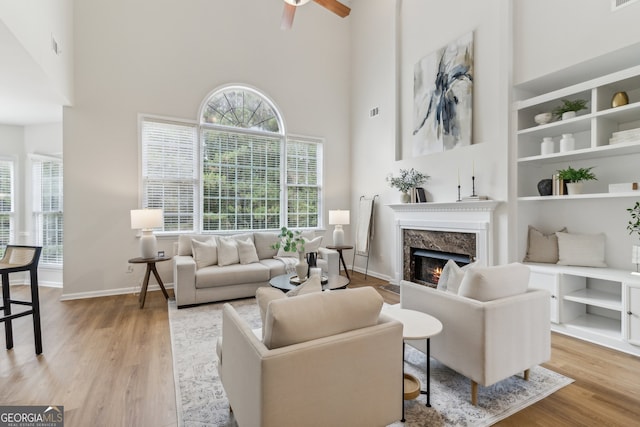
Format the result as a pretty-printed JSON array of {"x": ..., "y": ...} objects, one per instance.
[
  {"x": 635, "y": 258},
  {"x": 405, "y": 198},
  {"x": 545, "y": 187},
  {"x": 547, "y": 146},
  {"x": 568, "y": 115},
  {"x": 574, "y": 188},
  {"x": 302, "y": 267},
  {"x": 619, "y": 99},
  {"x": 567, "y": 143}
]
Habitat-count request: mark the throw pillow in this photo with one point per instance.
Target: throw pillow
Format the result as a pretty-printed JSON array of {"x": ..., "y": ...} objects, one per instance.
[
  {"x": 312, "y": 284},
  {"x": 451, "y": 276},
  {"x": 264, "y": 244},
  {"x": 542, "y": 247},
  {"x": 264, "y": 295},
  {"x": 227, "y": 251},
  {"x": 184, "y": 242},
  {"x": 204, "y": 253},
  {"x": 581, "y": 249},
  {"x": 247, "y": 252},
  {"x": 491, "y": 283}
]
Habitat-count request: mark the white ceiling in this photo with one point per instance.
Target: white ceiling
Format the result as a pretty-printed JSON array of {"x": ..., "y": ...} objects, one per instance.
[{"x": 26, "y": 94}]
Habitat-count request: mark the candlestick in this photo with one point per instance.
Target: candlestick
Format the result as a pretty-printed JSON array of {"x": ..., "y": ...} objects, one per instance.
[
  {"x": 473, "y": 167},
  {"x": 458, "y": 177},
  {"x": 459, "y": 199},
  {"x": 473, "y": 186}
]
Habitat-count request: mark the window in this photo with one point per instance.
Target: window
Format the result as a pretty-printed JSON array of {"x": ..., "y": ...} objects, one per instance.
[
  {"x": 6, "y": 204},
  {"x": 169, "y": 172},
  {"x": 237, "y": 170},
  {"x": 48, "y": 209}
]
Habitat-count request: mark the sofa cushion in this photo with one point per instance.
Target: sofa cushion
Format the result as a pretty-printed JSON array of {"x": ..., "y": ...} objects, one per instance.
[
  {"x": 185, "y": 245},
  {"x": 491, "y": 283},
  {"x": 247, "y": 252},
  {"x": 313, "y": 284},
  {"x": 320, "y": 314},
  {"x": 581, "y": 249},
  {"x": 264, "y": 244},
  {"x": 264, "y": 295},
  {"x": 227, "y": 251},
  {"x": 235, "y": 274},
  {"x": 542, "y": 247},
  {"x": 204, "y": 253},
  {"x": 276, "y": 267}
]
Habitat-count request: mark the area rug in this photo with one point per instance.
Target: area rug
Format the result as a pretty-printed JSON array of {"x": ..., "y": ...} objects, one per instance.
[{"x": 201, "y": 401}]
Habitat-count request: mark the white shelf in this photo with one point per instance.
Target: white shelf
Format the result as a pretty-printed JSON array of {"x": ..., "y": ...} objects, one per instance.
[
  {"x": 574, "y": 125},
  {"x": 581, "y": 196},
  {"x": 599, "y": 325},
  {"x": 596, "y": 298},
  {"x": 620, "y": 149}
]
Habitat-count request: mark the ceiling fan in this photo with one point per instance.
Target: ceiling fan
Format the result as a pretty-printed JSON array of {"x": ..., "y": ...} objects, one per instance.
[{"x": 290, "y": 9}]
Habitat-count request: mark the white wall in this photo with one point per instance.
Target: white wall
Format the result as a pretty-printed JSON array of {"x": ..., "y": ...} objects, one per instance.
[
  {"x": 423, "y": 28},
  {"x": 164, "y": 57},
  {"x": 34, "y": 23}
]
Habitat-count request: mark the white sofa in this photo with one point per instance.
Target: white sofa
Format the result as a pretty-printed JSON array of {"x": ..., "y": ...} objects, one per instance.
[
  {"x": 486, "y": 341},
  {"x": 327, "y": 359},
  {"x": 210, "y": 282}
]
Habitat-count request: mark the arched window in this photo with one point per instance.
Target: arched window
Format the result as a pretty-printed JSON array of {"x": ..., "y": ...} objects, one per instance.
[{"x": 243, "y": 173}]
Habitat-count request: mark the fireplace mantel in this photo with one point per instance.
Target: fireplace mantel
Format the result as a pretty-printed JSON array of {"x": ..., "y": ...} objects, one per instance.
[{"x": 466, "y": 217}]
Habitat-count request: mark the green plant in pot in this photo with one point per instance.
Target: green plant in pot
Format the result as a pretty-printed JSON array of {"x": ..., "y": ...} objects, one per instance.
[
  {"x": 634, "y": 227},
  {"x": 408, "y": 179},
  {"x": 575, "y": 177},
  {"x": 292, "y": 241},
  {"x": 569, "y": 108}
]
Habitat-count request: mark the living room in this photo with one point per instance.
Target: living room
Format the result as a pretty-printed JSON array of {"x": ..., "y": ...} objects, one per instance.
[{"x": 121, "y": 59}]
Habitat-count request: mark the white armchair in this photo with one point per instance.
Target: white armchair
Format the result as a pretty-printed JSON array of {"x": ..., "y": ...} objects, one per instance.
[
  {"x": 327, "y": 359},
  {"x": 486, "y": 341}
]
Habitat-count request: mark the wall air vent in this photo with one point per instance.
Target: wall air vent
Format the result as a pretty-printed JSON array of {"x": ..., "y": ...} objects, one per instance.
[{"x": 617, "y": 4}]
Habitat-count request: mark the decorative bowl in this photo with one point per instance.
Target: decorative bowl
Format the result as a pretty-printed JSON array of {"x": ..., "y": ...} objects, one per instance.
[{"x": 542, "y": 118}]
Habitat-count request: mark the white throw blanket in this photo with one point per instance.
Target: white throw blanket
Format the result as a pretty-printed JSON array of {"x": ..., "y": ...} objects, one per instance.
[
  {"x": 364, "y": 226},
  {"x": 289, "y": 262}
]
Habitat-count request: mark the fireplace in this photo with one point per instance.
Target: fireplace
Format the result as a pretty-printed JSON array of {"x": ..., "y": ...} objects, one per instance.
[
  {"x": 462, "y": 231},
  {"x": 426, "y": 265},
  {"x": 427, "y": 251}
]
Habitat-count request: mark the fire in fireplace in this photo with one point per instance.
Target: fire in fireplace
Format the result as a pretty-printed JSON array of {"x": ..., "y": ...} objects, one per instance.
[{"x": 427, "y": 265}]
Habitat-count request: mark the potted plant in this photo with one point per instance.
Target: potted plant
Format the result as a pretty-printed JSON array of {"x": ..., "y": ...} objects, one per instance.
[
  {"x": 407, "y": 180},
  {"x": 569, "y": 108},
  {"x": 575, "y": 177},
  {"x": 634, "y": 227},
  {"x": 292, "y": 241}
]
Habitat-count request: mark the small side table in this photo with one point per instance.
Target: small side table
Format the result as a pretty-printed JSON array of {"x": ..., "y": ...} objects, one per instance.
[
  {"x": 151, "y": 268},
  {"x": 416, "y": 326},
  {"x": 339, "y": 249}
]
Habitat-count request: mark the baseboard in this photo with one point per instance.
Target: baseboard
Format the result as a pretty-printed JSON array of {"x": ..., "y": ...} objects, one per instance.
[
  {"x": 111, "y": 292},
  {"x": 371, "y": 273}
]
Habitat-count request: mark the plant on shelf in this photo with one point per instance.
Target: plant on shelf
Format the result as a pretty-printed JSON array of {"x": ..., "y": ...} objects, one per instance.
[
  {"x": 408, "y": 179},
  {"x": 568, "y": 107},
  {"x": 576, "y": 175}
]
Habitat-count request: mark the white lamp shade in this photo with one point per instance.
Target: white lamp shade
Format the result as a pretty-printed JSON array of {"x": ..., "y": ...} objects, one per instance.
[
  {"x": 338, "y": 217},
  {"x": 146, "y": 219}
]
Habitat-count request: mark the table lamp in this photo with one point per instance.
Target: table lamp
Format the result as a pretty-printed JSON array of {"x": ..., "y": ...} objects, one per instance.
[
  {"x": 338, "y": 218},
  {"x": 145, "y": 220}
]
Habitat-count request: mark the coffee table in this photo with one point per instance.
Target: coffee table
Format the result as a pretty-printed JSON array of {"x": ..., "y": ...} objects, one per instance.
[
  {"x": 283, "y": 282},
  {"x": 416, "y": 326}
]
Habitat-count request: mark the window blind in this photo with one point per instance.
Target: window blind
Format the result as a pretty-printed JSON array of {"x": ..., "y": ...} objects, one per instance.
[
  {"x": 6, "y": 204},
  {"x": 304, "y": 176},
  {"x": 48, "y": 209},
  {"x": 170, "y": 172}
]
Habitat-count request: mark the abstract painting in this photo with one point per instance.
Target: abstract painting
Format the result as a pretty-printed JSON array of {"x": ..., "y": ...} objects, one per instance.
[{"x": 443, "y": 98}]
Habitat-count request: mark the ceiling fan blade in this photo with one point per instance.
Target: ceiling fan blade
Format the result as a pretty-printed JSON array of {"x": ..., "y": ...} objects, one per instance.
[
  {"x": 335, "y": 6},
  {"x": 287, "y": 16}
]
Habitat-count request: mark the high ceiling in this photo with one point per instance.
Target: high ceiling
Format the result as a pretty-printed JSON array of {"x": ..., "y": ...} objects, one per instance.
[{"x": 26, "y": 94}]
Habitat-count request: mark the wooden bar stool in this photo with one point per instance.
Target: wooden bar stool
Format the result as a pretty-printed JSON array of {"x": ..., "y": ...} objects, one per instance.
[{"x": 15, "y": 259}]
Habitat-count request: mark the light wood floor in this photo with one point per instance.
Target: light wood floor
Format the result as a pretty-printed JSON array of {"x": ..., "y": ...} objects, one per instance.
[{"x": 109, "y": 363}]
